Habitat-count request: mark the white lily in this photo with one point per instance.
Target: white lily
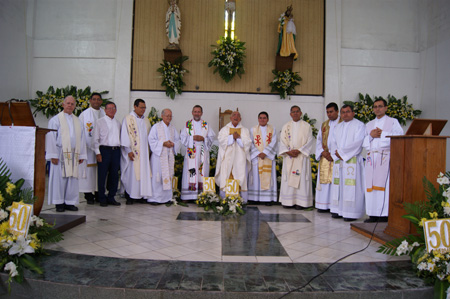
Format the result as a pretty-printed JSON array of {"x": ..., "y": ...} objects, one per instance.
[
  {"x": 21, "y": 246},
  {"x": 12, "y": 268}
]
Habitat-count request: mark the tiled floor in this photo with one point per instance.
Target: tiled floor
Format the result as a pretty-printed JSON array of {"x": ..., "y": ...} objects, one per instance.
[{"x": 266, "y": 234}]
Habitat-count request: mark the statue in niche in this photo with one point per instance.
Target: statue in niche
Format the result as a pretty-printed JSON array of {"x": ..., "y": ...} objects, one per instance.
[
  {"x": 287, "y": 33},
  {"x": 173, "y": 24}
]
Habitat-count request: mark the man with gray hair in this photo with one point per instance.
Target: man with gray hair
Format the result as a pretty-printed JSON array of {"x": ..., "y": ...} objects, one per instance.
[
  {"x": 164, "y": 142},
  {"x": 66, "y": 149}
]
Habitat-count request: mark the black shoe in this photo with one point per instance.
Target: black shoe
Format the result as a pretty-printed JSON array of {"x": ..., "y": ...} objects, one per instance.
[
  {"x": 141, "y": 200},
  {"x": 60, "y": 208},
  {"x": 349, "y": 219},
  {"x": 113, "y": 203},
  {"x": 335, "y": 216},
  {"x": 299, "y": 207},
  {"x": 382, "y": 219},
  {"x": 372, "y": 219},
  {"x": 288, "y": 207},
  {"x": 70, "y": 208},
  {"x": 129, "y": 202},
  {"x": 90, "y": 201},
  {"x": 103, "y": 204},
  {"x": 153, "y": 203},
  {"x": 322, "y": 211},
  {"x": 268, "y": 204}
]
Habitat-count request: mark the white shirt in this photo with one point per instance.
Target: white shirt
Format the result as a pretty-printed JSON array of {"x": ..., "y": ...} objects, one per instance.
[{"x": 107, "y": 132}]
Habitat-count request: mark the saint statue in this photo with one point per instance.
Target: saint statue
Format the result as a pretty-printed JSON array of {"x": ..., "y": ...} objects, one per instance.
[
  {"x": 173, "y": 24},
  {"x": 287, "y": 33}
]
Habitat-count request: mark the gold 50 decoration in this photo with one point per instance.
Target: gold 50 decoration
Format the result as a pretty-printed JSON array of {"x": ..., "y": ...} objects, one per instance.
[
  {"x": 232, "y": 188},
  {"x": 437, "y": 235},
  {"x": 19, "y": 219},
  {"x": 209, "y": 184}
]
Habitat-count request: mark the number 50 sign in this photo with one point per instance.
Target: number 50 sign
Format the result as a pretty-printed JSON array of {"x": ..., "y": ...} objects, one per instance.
[
  {"x": 232, "y": 188},
  {"x": 19, "y": 219},
  {"x": 437, "y": 234}
]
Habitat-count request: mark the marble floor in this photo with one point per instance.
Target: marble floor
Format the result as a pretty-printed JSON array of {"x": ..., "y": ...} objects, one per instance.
[{"x": 266, "y": 234}]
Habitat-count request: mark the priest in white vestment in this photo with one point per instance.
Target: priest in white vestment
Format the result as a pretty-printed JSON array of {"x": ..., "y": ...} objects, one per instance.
[
  {"x": 262, "y": 179},
  {"x": 347, "y": 191},
  {"x": 197, "y": 137},
  {"x": 164, "y": 142},
  {"x": 66, "y": 149},
  {"x": 296, "y": 143},
  {"x": 233, "y": 158},
  {"x": 135, "y": 159},
  {"x": 323, "y": 155},
  {"x": 88, "y": 118},
  {"x": 377, "y": 161}
]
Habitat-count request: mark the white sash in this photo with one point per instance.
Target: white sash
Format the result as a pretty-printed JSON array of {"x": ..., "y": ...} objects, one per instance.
[
  {"x": 167, "y": 158},
  {"x": 70, "y": 165}
]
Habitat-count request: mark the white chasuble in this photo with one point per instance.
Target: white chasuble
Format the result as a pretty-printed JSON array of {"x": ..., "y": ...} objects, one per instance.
[
  {"x": 233, "y": 157},
  {"x": 196, "y": 158},
  {"x": 347, "y": 190},
  {"x": 135, "y": 175},
  {"x": 296, "y": 182},
  {"x": 377, "y": 172},
  {"x": 67, "y": 144},
  {"x": 264, "y": 141},
  {"x": 162, "y": 160}
]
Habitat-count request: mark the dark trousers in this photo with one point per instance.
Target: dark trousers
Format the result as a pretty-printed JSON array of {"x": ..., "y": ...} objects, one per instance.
[{"x": 108, "y": 171}]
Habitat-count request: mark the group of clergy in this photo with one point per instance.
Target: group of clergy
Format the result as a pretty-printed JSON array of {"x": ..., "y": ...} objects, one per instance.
[{"x": 86, "y": 154}]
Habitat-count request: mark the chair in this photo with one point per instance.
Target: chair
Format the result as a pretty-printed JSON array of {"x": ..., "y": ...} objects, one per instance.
[{"x": 224, "y": 117}]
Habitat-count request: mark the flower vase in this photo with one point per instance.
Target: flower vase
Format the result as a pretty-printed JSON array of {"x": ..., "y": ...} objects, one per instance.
[{"x": 440, "y": 289}]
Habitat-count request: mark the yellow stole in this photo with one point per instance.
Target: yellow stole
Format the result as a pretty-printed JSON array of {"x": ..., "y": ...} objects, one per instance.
[{"x": 264, "y": 165}]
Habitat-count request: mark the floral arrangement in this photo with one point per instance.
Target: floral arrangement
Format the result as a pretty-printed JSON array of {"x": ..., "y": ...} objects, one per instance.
[
  {"x": 213, "y": 160},
  {"x": 153, "y": 116},
  {"x": 397, "y": 108},
  {"x": 433, "y": 267},
  {"x": 172, "y": 76},
  {"x": 228, "y": 58},
  {"x": 284, "y": 82},
  {"x": 226, "y": 206},
  {"x": 17, "y": 251},
  {"x": 50, "y": 103},
  {"x": 312, "y": 122}
]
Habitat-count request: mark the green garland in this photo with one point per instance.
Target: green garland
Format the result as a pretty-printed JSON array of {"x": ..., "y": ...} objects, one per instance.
[
  {"x": 284, "y": 82},
  {"x": 228, "y": 58},
  {"x": 397, "y": 108},
  {"x": 50, "y": 103}
]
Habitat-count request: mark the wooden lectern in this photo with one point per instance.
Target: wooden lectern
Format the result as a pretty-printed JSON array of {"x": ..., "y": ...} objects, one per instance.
[
  {"x": 18, "y": 113},
  {"x": 421, "y": 152}
]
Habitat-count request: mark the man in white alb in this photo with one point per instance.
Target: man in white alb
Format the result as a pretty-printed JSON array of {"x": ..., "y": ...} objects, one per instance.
[
  {"x": 164, "y": 142},
  {"x": 377, "y": 161},
  {"x": 88, "y": 118},
  {"x": 233, "y": 158},
  {"x": 135, "y": 159},
  {"x": 197, "y": 137},
  {"x": 347, "y": 191},
  {"x": 296, "y": 142},
  {"x": 66, "y": 149},
  {"x": 262, "y": 181},
  {"x": 323, "y": 155}
]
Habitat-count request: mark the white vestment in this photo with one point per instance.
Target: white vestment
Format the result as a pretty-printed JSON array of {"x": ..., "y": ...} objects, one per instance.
[
  {"x": 63, "y": 189},
  {"x": 323, "y": 190},
  {"x": 198, "y": 128},
  {"x": 377, "y": 201},
  {"x": 347, "y": 190},
  {"x": 141, "y": 188},
  {"x": 233, "y": 158},
  {"x": 156, "y": 145},
  {"x": 88, "y": 119},
  {"x": 302, "y": 194},
  {"x": 255, "y": 193}
]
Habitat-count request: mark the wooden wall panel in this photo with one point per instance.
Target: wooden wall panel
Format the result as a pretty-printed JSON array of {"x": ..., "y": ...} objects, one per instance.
[{"x": 203, "y": 24}]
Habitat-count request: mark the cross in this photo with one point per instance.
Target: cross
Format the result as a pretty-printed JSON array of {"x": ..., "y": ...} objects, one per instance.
[{"x": 249, "y": 234}]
